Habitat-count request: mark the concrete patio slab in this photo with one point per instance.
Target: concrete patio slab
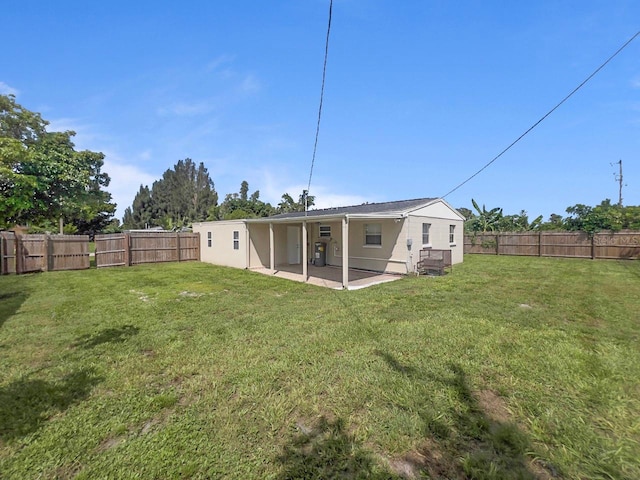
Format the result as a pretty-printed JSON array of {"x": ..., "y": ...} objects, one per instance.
[{"x": 329, "y": 276}]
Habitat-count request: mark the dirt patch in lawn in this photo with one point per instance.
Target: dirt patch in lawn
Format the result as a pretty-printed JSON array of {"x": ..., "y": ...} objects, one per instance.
[{"x": 493, "y": 406}]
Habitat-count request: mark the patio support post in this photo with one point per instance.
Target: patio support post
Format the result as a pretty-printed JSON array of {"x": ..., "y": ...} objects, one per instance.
[
  {"x": 272, "y": 252},
  {"x": 305, "y": 260},
  {"x": 345, "y": 252}
]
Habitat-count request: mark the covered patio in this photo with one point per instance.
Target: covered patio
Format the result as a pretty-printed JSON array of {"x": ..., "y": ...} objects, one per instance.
[{"x": 329, "y": 276}]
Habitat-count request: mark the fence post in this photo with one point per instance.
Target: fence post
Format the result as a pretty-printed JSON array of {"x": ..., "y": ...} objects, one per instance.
[
  {"x": 46, "y": 251},
  {"x": 198, "y": 247},
  {"x": 127, "y": 250},
  {"x": 178, "y": 245},
  {"x": 540, "y": 243},
  {"x": 19, "y": 254},
  {"x": 3, "y": 262},
  {"x": 497, "y": 244},
  {"x": 593, "y": 246}
]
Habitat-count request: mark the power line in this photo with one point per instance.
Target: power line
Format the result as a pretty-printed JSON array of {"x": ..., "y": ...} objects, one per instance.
[
  {"x": 324, "y": 74},
  {"x": 546, "y": 115}
]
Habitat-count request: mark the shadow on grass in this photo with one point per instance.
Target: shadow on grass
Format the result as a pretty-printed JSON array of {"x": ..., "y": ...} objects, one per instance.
[
  {"x": 482, "y": 443},
  {"x": 9, "y": 304},
  {"x": 108, "y": 335},
  {"x": 326, "y": 452},
  {"x": 25, "y": 405}
]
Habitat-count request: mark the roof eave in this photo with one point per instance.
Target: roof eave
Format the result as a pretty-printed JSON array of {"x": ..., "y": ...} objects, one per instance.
[{"x": 317, "y": 218}]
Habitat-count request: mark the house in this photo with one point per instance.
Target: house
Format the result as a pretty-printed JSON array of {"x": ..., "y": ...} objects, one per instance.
[{"x": 381, "y": 237}]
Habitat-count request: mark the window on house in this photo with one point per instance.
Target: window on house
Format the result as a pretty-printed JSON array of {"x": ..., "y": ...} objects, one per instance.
[
  {"x": 209, "y": 239},
  {"x": 373, "y": 234},
  {"x": 425, "y": 233},
  {"x": 236, "y": 240},
  {"x": 325, "y": 230},
  {"x": 452, "y": 237}
]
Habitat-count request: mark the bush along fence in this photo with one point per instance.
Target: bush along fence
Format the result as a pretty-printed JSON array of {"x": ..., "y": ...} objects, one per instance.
[
  {"x": 41, "y": 253},
  {"x": 606, "y": 245}
]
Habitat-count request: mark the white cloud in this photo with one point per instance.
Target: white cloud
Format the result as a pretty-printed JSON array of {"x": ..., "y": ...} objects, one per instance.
[
  {"x": 250, "y": 84},
  {"x": 184, "y": 109},
  {"x": 146, "y": 155},
  {"x": 325, "y": 195},
  {"x": 7, "y": 90},
  {"x": 85, "y": 137},
  {"x": 218, "y": 61},
  {"x": 126, "y": 179},
  {"x": 327, "y": 199}
]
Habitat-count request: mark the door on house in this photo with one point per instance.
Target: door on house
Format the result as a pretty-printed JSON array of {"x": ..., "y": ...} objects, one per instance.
[{"x": 293, "y": 245}]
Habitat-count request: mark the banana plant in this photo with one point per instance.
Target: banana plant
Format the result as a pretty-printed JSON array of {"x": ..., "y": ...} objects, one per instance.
[{"x": 488, "y": 220}]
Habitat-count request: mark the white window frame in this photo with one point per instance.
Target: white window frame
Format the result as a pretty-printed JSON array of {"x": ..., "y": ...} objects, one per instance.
[
  {"x": 425, "y": 235},
  {"x": 324, "y": 231},
  {"x": 236, "y": 240},
  {"x": 372, "y": 230},
  {"x": 452, "y": 235},
  {"x": 209, "y": 239}
]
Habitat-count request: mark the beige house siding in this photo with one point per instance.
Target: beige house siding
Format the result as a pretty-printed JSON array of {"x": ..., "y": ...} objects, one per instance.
[
  {"x": 258, "y": 245},
  {"x": 438, "y": 209},
  {"x": 222, "y": 250},
  {"x": 441, "y": 216},
  {"x": 389, "y": 257},
  {"x": 438, "y": 237}
]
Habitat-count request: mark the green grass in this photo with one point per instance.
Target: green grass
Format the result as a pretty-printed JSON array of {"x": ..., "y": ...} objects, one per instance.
[{"x": 510, "y": 367}]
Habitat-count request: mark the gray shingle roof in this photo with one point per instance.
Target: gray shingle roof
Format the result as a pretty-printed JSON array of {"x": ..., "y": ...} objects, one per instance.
[{"x": 399, "y": 206}]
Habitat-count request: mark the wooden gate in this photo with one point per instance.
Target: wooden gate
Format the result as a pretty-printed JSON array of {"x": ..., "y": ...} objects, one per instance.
[{"x": 112, "y": 250}]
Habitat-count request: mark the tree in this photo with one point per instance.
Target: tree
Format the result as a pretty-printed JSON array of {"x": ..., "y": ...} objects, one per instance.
[
  {"x": 42, "y": 177},
  {"x": 593, "y": 219},
  {"x": 97, "y": 210},
  {"x": 288, "y": 204},
  {"x": 465, "y": 212},
  {"x": 518, "y": 223},
  {"x": 17, "y": 190},
  {"x": 244, "y": 190},
  {"x": 240, "y": 205},
  {"x": 555, "y": 222},
  {"x": 19, "y": 123},
  {"x": 140, "y": 214},
  {"x": 184, "y": 194}
]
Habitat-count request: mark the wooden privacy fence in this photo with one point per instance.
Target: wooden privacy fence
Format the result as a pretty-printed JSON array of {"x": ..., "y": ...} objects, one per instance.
[
  {"x": 134, "y": 248},
  {"x": 41, "y": 253},
  {"x": 609, "y": 245}
]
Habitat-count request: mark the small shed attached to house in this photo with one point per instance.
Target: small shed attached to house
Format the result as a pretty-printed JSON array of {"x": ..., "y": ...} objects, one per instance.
[{"x": 381, "y": 237}]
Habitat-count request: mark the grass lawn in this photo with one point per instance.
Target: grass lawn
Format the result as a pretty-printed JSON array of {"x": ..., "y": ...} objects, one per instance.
[{"x": 510, "y": 367}]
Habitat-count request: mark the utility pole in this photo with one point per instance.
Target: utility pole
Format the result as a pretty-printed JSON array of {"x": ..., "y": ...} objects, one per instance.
[
  {"x": 618, "y": 178},
  {"x": 305, "y": 193}
]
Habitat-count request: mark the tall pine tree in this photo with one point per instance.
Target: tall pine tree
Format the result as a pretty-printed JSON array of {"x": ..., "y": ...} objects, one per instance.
[{"x": 182, "y": 196}]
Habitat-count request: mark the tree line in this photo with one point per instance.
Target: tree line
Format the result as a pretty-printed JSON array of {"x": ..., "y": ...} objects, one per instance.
[
  {"x": 186, "y": 194},
  {"x": 47, "y": 185},
  {"x": 604, "y": 216}
]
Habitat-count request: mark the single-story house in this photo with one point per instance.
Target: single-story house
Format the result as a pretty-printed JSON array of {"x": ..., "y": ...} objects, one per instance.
[{"x": 381, "y": 237}]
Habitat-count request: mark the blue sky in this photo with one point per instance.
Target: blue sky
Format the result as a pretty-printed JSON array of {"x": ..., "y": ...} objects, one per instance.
[{"x": 419, "y": 95}]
